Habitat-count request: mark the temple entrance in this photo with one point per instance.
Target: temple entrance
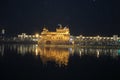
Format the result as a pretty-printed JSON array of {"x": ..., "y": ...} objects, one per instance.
[{"x": 48, "y": 42}]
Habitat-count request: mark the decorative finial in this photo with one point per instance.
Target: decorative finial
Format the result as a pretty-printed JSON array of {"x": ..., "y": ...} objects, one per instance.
[{"x": 60, "y": 26}]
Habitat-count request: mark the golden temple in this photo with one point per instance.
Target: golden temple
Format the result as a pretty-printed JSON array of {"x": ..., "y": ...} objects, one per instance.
[{"x": 60, "y": 36}]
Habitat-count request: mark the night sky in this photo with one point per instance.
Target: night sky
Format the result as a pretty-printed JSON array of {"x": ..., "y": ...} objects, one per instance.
[{"x": 86, "y": 17}]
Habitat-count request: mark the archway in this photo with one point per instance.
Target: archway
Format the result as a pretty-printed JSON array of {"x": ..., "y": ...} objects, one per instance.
[{"x": 48, "y": 42}]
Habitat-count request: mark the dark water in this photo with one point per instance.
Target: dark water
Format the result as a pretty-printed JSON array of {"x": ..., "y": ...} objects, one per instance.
[{"x": 21, "y": 61}]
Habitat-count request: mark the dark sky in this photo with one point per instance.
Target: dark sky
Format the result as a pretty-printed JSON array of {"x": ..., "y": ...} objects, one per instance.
[{"x": 87, "y": 17}]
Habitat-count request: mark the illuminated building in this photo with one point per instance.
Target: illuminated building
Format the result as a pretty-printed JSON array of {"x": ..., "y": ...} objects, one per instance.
[
  {"x": 24, "y": 36},
  {"x": 97, "y": 40},
  {"x": 61, "y": 36}
]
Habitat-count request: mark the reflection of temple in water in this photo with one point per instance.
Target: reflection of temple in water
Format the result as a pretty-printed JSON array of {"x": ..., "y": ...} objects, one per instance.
[{"x": 58, "y": 55}]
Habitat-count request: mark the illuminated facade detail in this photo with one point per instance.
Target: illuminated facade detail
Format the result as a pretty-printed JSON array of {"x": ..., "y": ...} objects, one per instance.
[
  {"x": 97, "y": 40},
  {"x": 24, "y": 37},
  {"x": 61, "y": 36}
]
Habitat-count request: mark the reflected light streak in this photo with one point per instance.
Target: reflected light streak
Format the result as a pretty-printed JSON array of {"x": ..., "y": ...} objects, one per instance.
[
  {"x": 36, "y": 51},
  {"x": 2, "y": 49},
  {"x": 80, "y": 52},
  {"x": 59, "y": 55},
  {"x": 98, "y": 53}
]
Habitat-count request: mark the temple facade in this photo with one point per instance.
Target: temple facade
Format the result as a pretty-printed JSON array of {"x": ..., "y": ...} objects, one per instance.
[{"x": 60, "y": 36}]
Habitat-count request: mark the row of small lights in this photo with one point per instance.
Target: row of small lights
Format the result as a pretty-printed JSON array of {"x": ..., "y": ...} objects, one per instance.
[{"x": 97, "y": 37}]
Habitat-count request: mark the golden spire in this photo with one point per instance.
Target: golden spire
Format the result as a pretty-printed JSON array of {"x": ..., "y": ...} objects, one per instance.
[
  {"x": 45, "y": 29},
  {"x": 60, "y": 26}
]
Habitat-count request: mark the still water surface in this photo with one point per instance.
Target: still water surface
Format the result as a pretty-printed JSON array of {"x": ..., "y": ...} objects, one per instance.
[{"x": 26, "y": 61}]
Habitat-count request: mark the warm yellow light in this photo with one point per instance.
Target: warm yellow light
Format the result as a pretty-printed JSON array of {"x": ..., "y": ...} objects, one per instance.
[
  {"x": 36, "y": 35},
  {"x": 36, "y": 51},
  {"x": 59, "y": 55}
]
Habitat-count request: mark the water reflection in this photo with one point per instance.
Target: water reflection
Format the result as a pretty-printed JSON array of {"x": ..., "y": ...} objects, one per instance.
[
  {"x": 55, "y": 54},
  {"x": 97, "y": 52},
  {"x": 2, "y": 49},
  {"x": 59, "y": 55},
  {"x": 23, "y": 49}
]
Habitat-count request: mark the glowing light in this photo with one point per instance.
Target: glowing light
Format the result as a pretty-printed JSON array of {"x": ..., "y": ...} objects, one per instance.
[
  {"x": 98, "y": 53},
  {"x": 37, "y": 35},
  {"x": 36, "y": 51},
  {"x": 119, "y": 52},
  {"x": 57, "y": 37},
  {"x": 3, "y": 31},
  {"x": 77, "y": 37},
  {"x": 80, "y": 52},
  {"x": 59, "y": 55}
]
